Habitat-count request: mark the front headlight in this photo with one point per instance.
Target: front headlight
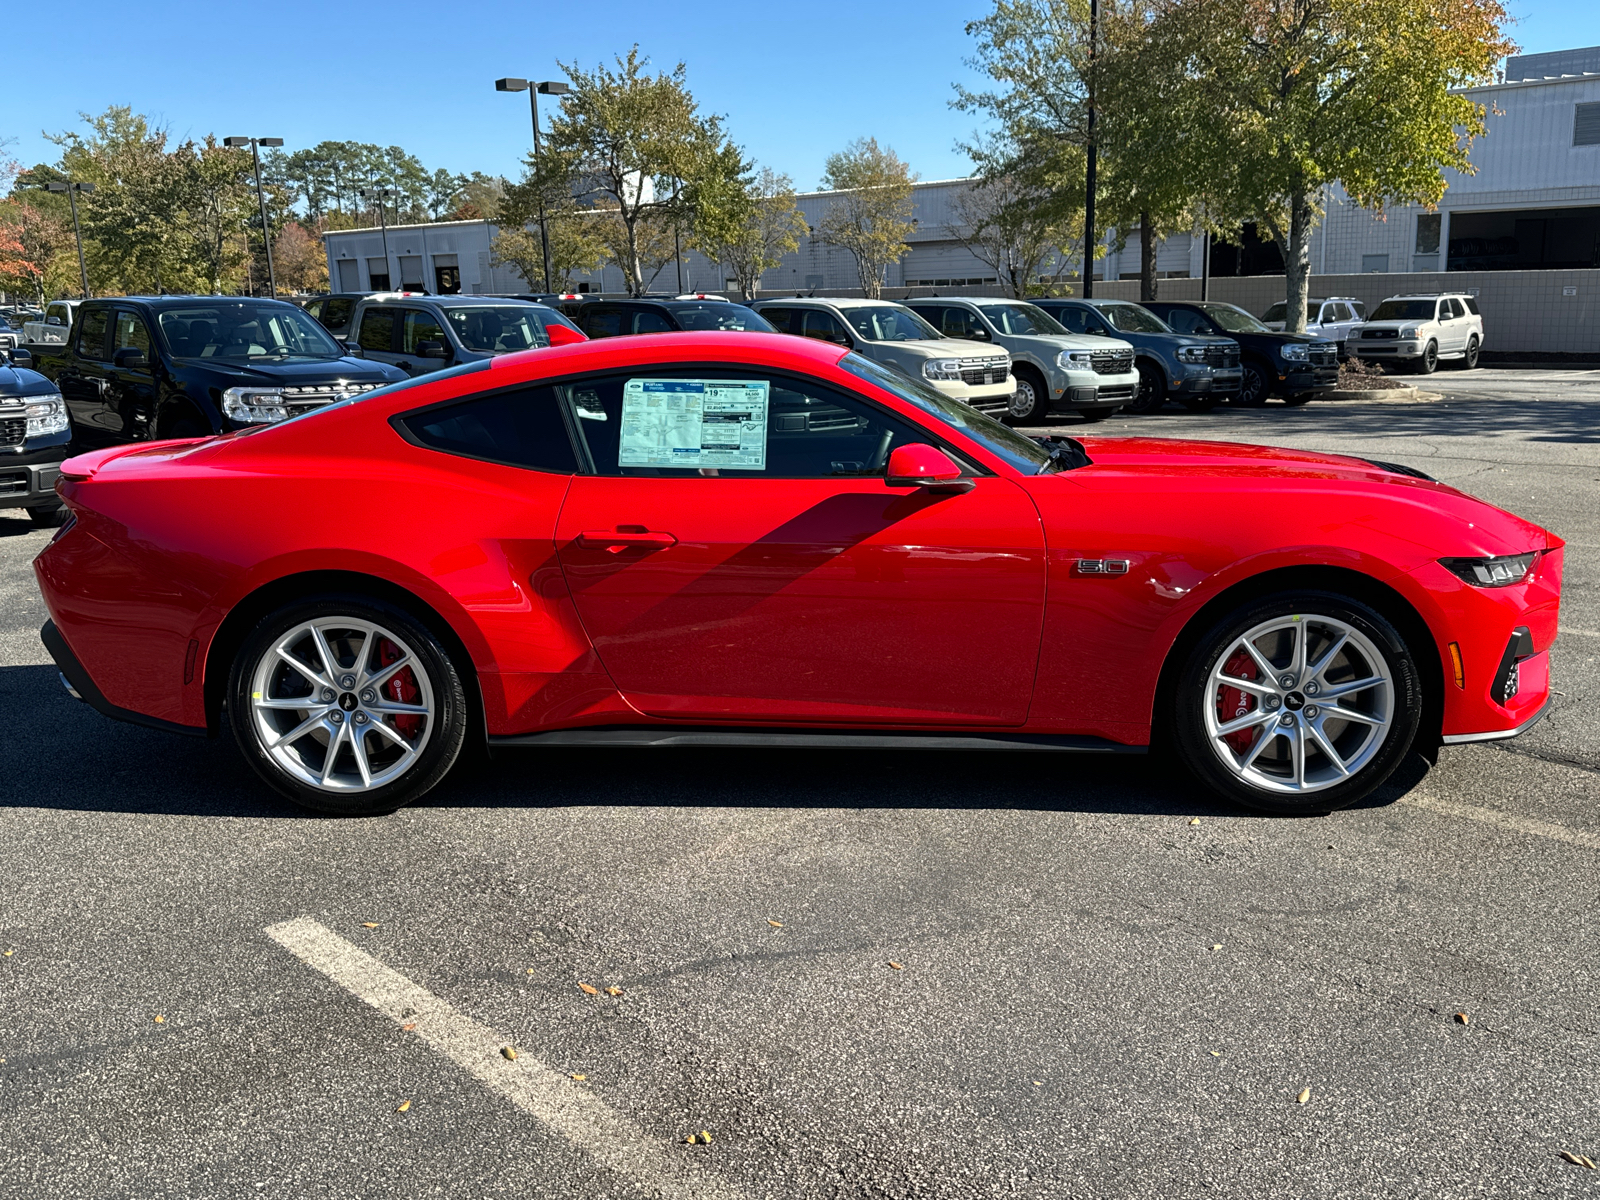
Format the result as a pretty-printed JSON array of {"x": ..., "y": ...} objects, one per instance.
[
  {"x": 1075, "y": 360},
  {"x": 948, "y": 369},
  {"x": 254, "y": 405},
  {"x": 46, "y": 414},
  {"x": 1492, "y": 572},
  {"x": 1411, "y": 331},
  {"x": 1293, "y": 351},
  {"x": 1191, "y": 354}
]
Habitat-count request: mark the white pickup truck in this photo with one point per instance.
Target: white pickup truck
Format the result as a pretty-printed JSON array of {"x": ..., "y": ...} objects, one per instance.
[{"x": 57, "y": 324}]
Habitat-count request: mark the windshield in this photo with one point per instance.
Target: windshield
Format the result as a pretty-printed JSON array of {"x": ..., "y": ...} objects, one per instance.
[
  {"x": 1277, "y": 311},
  {"x": 1023, "y": 453},
  {"x": 1404, "y": 310},
  {"x": 1130, "y": 318},
  {"x": 720, "y": 315},
  {"x": 500, "y": 328},
  {"x": 1018, "y": 320},
  {"x": 890, "y": 323},
  {"x": 1234, "y": 320},
  {"x": 246, "y": 331}
]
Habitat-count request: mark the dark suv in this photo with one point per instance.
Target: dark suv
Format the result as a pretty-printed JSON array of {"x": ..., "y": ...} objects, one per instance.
[
  {"x": 34, "y": 433},
  {"x": 618, "y": 318},
  {"x": 1196, "y": 371},
  {"x": 137, "y": 368},
  {"x": 1290, "y": 365}
]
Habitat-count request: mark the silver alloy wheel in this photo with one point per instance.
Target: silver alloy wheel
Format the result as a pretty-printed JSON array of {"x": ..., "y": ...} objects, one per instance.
[
  {"x": 1023, "y": 401},
  {"x": 1298, "y": 704},
  {"x": 342, "y": 704}
]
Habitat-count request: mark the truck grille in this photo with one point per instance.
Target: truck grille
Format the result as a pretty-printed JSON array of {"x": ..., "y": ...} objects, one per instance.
[
  {"x": 13, "y": 483},
  {"x": 1225, "y": 357},
  {"x": 979, "y": 371},
  {"x": 1323, "y": 356},
  {"x": 1391, "y": 334},
  {"x": 13, "y": 431},
  {"x": 1113, "y": 362}
]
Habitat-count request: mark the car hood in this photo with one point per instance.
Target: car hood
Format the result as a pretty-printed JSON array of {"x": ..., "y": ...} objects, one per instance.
[
  {"x": 1047, "y": 342},
  {"x": 1481, "y": 528},
  {"x": 17, "y": 382},
  {"x": 947, "y": 348},
  {"x": 356, "y": 370}
]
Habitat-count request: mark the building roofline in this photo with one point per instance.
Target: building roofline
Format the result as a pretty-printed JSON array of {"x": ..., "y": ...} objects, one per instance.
[
  {"x": 1546, "y": 81},
  {"x": 915, "y": 184},
  {"x": 327, "y": 233}
]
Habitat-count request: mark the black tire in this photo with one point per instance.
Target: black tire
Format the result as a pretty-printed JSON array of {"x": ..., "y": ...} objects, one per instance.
[
  {"x": 1031, "y": 401},
  {"x": 1097, "y": 414},
  {"x": 1199, "y": 404},
  {"x": 1469, "y": 361},
  {"x": 440, "y": 744},
  {"x": 1378, "y": 760},
  {"x": 1254, "y": 386},
  {"x": 1152, "y": 388},
  {"x": 48, "y": 516},
  {"x": 1299, "y": 398},
  {"x": 1428, "y": 361}
]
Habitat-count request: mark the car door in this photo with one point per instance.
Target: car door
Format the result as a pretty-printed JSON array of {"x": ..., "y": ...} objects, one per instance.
[
  {"x": 377, "y": 334},
  {"x": 601, "y": 320},
  {"x": 788, "y": 582},
  {"x": 84, "y": 381},
  {"x": 129, "y": 395}
]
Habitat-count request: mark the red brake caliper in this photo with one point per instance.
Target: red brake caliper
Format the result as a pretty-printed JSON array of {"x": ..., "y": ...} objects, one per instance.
[
  {"x": 402, "y": 687},
  {"x": 1233, "y": 703}
]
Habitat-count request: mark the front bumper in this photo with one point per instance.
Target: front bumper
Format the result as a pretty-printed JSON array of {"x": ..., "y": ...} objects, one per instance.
[
  {"x": 1385, "y": 349},
  {"x": 1208, "y": 381},
  {"x": 1298, "y": 380},
  {"x": 1075, "y": 391},
  {"x": 985, "y": 397},
  {"x": 28, "y": 480}
]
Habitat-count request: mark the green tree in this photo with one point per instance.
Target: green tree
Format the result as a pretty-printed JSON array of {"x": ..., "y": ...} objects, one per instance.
[
  {"x": 750, "y": 231},
  {"x": 872, "y": 216},
  {"x": 1299, "y": 95},
  {"x": 216, "y": 201},
  {"x": 1021, "y": 210}
]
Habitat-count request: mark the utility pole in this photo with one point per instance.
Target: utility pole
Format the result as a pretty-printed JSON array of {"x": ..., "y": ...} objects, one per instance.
[
  {"x": 72, "y": 189},
  {"x": 1093, "y": 150},
  {"x": 1205, "y": 267},
  {"x": 255, "y": 145},
  {"x": 378, "y": 193},
  {"x": 549, "y": 88}
]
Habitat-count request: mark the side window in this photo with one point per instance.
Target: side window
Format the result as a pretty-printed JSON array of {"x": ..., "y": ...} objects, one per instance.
[
  {"x": 336, "y": 311},
  {"x": 933, "y": 314},
  {"x": 1359, "y": 309},
  {"x": 1184, "y": 321},
  {"x": 1472, "y": 306},
  {"x": 731, "y": 422},
  {"x": 314, "y": 307},
  {"x": 823, "y": 326},
  {"x": 648, "y": 320},
  {"x": 58, "y": 315},
  {"x": 420, "y": 326},
  {"x": 131, "y": 333},
  {"x": 92, "y": 336},
  {"x": 1074, "y": 319},
  {"x": 601, "y": 322},
  {"x": 520, "y": 428},
  {"x": 377, "y": 330},
  {"x": 781, "y": 319},
  {"x": 957, "y": 323}
]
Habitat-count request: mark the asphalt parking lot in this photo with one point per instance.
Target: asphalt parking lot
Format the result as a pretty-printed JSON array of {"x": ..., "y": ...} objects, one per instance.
[{"x": 872, "y": 975}]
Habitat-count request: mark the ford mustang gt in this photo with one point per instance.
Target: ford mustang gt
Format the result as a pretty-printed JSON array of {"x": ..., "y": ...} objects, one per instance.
[{"x": 717, "y": 539}]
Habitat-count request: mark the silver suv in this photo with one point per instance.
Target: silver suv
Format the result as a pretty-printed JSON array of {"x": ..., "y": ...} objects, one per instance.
[
  {"x": 1056, "y": 371},
  {"x": 1338, "y": 319},
  {"x": 895, "y": 336},
  {"x": 1420, "y": 330}
]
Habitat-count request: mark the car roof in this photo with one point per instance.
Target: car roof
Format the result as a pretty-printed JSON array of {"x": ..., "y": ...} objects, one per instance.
[
  {"x": 1425, "y": 295},
  {"x": 435, "y": 298},
  {"x": 186, "y": 301},
  {"x": 833, "y": 301}
]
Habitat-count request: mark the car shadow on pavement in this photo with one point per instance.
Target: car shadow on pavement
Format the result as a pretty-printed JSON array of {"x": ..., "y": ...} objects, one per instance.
[{"x": 64, "y": 755}]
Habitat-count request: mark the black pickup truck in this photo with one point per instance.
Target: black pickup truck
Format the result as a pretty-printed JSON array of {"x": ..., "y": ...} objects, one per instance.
[{"x": 139, "y": 368}]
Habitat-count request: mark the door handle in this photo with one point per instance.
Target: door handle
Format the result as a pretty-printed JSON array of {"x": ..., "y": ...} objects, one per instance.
[{"x": 615, "y": 541}]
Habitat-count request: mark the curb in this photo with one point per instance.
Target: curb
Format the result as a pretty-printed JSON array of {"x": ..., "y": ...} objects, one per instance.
[{"x": 1402, "y": 395}]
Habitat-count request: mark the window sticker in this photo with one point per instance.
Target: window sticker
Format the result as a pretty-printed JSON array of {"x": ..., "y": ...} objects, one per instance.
[{"x": 694, "y": 423}]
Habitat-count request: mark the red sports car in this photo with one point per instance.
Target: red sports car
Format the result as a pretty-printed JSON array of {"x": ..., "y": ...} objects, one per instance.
[{"x": 743, "y": 539}]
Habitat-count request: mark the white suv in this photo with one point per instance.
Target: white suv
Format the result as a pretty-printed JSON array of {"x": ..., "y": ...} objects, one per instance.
[
  {"x": 1338, "y": 319},
  {"x": 1421, "y": 330}
]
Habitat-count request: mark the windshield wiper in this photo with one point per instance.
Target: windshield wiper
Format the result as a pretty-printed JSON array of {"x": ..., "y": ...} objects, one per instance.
[{"x": 1066, "y": 454}]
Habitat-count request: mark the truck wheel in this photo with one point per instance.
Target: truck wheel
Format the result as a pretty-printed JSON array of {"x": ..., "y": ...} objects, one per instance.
[
  {"x": 1469, "y": 361},
  {"x": 1152, "y": 389},
  {"x": 48, "y": 516},
  {"x": 1029, "y": 401},
  {"x": 1428, "y": 362},
  {"x": 1253, "y": 387}
]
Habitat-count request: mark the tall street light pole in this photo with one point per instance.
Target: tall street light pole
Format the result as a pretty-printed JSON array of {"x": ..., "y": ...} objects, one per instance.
[
  {"x": 1088, "y": 180},
  {"x": 255, "y": 145},
  {"x": 378, "y": 194},
  {"x": 72, "y": 189},
  {"x": 549, "y": 88}
]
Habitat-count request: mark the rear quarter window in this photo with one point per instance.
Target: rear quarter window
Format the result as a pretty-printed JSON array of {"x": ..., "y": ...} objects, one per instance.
[{"x": 522, "y": 427}]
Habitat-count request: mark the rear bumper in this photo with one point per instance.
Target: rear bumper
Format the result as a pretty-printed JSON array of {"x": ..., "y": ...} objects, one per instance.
[{"x": 80, "y": 685}]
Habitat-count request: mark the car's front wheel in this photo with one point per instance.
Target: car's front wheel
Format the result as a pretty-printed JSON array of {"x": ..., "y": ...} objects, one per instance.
[
  {"x": 1298, "y": 703},
  {"x": 347, "y": 705},
  {"x": 1028, "y": 401},
  {"x": 1152, "y": 392}
]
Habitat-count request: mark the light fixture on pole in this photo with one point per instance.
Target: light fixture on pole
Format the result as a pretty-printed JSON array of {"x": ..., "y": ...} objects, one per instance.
[
  {"x": 255, "y": 145},
  {"x": 72, "y": 189},
  {"x": 534, "y": 90},
  {"x": 380, "y": 194}
]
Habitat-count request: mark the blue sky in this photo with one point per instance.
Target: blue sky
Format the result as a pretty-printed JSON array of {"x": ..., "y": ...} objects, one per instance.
[{"x": 793, "y": 87}]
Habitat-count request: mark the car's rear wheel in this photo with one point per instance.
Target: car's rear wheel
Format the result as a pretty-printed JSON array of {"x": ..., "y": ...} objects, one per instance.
[
  {"x": 347, "y": 705},
  {"x": 1152, "y": 389},
  {"x": 1298, "y": 703},
  {"x": 1028, "y": 402},
  {"x": 1428, "y": 361},
  {"x": 1469, "y": 361}
]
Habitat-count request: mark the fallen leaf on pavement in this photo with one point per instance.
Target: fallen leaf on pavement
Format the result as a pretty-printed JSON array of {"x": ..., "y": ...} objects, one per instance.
[
  {"x": 1038, "y": 1083},
  {"x": 896, "y": 966},
  {"x": 691, "y": 1139},
  {"x": 1217, "y": 947},
  {"x": 160, "y": 1020},
  {"x": 408, "y": 1028},
  {"x": 578, "y": 1077},
  {"x": 369, "y": 924},
  {"x": 1463, "y": 1019},
  {"x": 530, "y": 970},
  {"x": 1305, "y": 1094},
  {"x": 405, "y": 1106},
  {"x": 705, "y": 1139},
  {"x": 1578, "y": 1160},
  {"x": 1194, "y": 820},
  {"x": 593, "y": 991},
  {"x": 1216, "y": 1054},
  {"x": 774, "y": 924},
  {"x": 9, "y": 953},
  {"x": 613, "y": 991},
  {"x": 510, "y": 1052}
]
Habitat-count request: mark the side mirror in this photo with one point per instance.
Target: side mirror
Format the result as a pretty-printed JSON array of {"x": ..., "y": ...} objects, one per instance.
[
  {"x": 353, "y": 350},
  {"x": 129, "y": 358},
  {"x": 21, "y": 358},
  {"x": 920, "y": 465},
  {"x": 432, "y": 349},
  {"x": 564, "y": 335},
  {"x": 977, "y": 334}
]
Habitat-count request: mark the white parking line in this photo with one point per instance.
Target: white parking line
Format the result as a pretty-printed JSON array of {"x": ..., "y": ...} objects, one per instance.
[
  {"x": 1505, "y": 820},
  {"x": 537, "y": 1089},
  {"x": 1579, "y": 632}
]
